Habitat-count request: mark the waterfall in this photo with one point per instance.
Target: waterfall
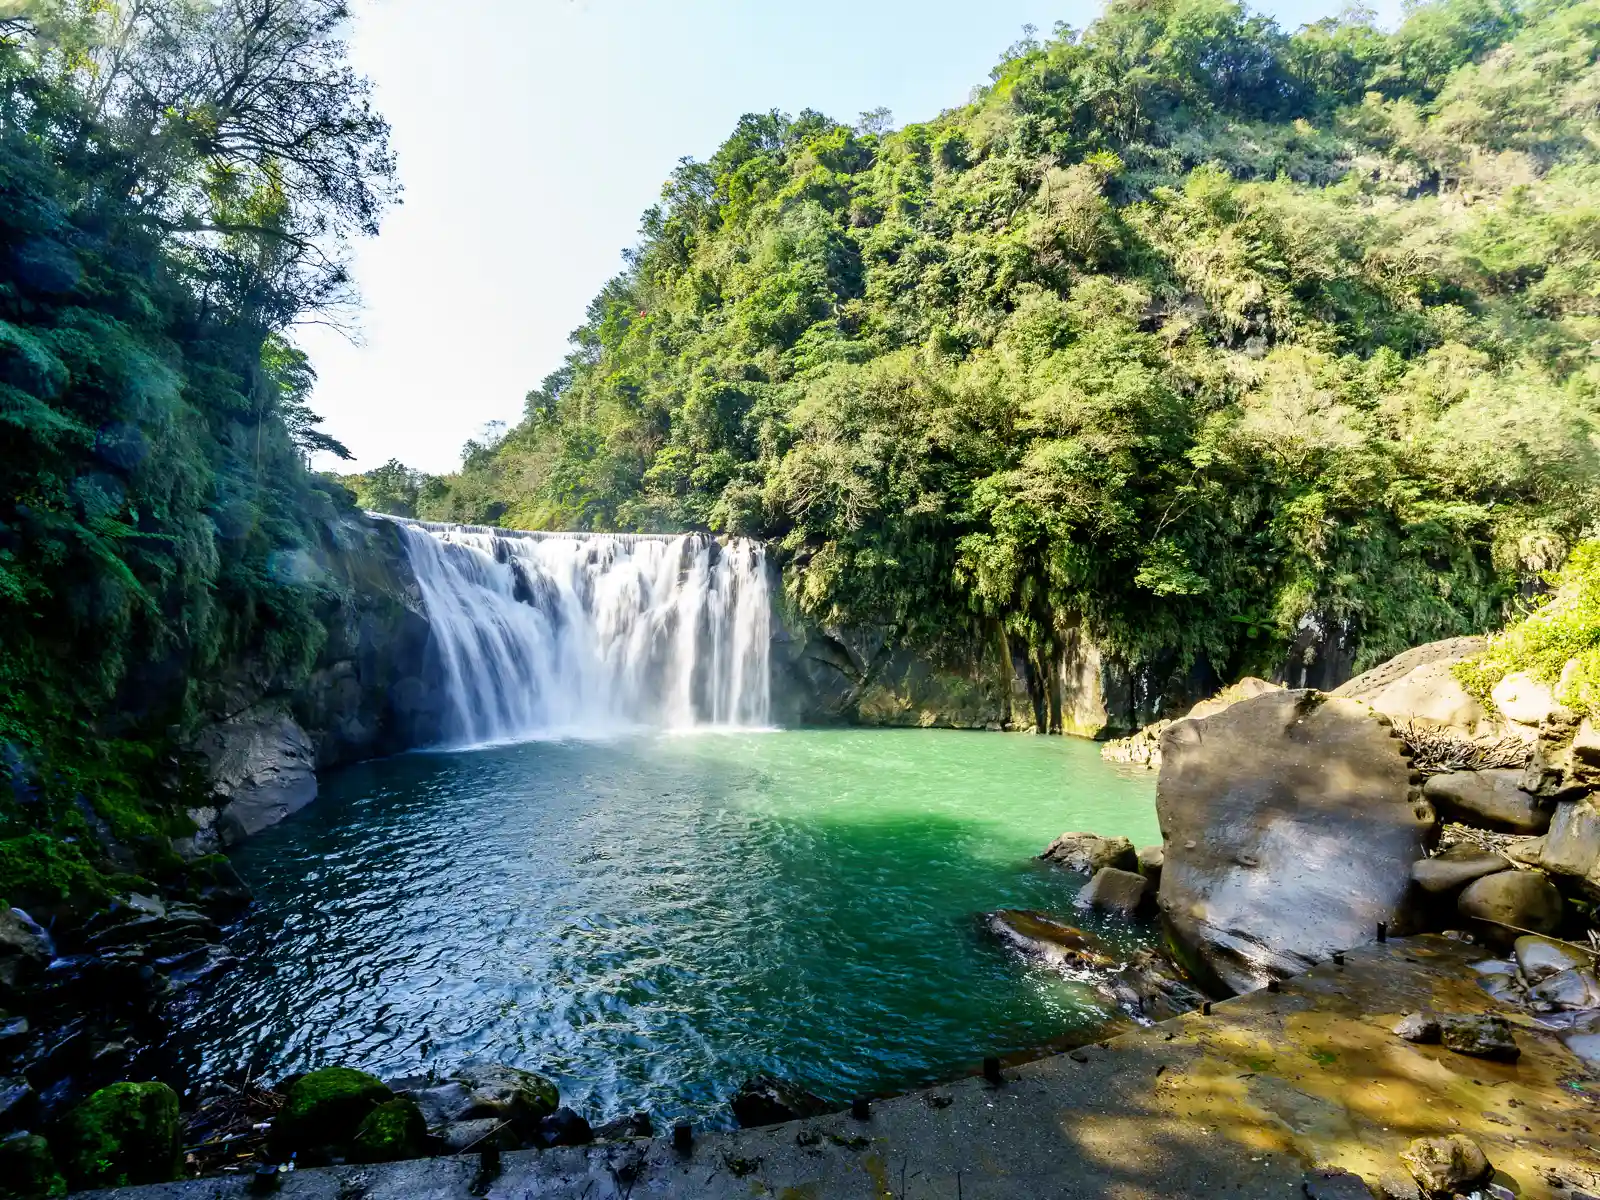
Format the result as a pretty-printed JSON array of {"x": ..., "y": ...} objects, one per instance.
[{"x": 577, "y": 633}]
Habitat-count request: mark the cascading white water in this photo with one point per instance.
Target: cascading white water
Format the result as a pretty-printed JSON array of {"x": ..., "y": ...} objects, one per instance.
[{"x": 580, "y": 633}]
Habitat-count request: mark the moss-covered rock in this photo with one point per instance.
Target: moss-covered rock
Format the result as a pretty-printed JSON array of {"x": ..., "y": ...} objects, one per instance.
[
  {"x": 28, "y": 1169},
  {"x": 123, "y": 1134},
  {"x": 326, "y": 1108},
  {"x": 393, "y": 1130}
]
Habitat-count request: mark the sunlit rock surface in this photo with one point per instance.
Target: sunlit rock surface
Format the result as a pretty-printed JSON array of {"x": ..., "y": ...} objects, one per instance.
[{"x": 1291, "y": 826}]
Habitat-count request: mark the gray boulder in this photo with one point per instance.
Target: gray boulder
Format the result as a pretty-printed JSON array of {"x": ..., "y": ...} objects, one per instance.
[
  {"x": 1517, "y": 899},
  {"x": 1541, "y": 958},
  {"x": 1487, "y": 800},
  {"x": 262, "y": 767},
  {"x": 1456, "y": 867},
  {"x": 1419, "y": 687},
  {"x": 1113, "y": 891},
  {"x": 1087, "y": 853},
  {"x": 1572, "y": 847},
  {"x": 1290, "y": 828}
]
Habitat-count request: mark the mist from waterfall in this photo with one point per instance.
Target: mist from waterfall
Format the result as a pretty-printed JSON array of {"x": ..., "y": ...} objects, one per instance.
[{"x": 591, "y": 633}]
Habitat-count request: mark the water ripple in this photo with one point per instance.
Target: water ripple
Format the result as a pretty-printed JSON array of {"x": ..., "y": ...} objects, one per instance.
[{"x": 651, "y": 920}]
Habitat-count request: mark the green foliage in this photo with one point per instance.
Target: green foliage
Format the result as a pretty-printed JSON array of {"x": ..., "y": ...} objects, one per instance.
[
  {"x": 128, "y": 1133},
  {"x": 1562, "y": 628},
  {"x": 1185, "y": 327},
  {"x": 166, "y": 212}
]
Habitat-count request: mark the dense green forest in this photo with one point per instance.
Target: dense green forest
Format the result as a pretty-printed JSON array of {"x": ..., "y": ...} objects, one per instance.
[
  {"x": 178, "y": 183},
  {"x": 1182, "y": 323}
]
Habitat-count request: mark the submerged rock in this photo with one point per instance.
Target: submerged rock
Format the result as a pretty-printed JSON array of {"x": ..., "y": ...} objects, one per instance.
[
  {"x": 1290, "y": 830},
  {"x": 1145, "y": 984},
  {"x": 768, "y": 1100},
  {"x": 507, "y": 1093},
  {"x": 1053, "y": 940},
  {"x": 1488, "y": 800},
  {"x": 1150, "y": 988},
  {"x": 1113, "y": 891},
  {"x": 1443, "y": 1166},
  {"x": 1573, "y": 989},
  {"x": 1088, "y": 853},
  {"x": 124, "y": 1134}
]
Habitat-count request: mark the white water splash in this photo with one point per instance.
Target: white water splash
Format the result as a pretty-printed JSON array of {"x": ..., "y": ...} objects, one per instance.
[{"x": 583, "y": 634}]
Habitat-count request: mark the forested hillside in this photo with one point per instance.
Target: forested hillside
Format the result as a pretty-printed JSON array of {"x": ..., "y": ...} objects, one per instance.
[
  {"x": 177, "y": 186},
  {"x": 1185, "y": 324}
]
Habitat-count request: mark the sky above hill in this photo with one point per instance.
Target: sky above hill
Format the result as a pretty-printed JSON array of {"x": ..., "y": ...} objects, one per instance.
[{"x": 532, "y": 134}]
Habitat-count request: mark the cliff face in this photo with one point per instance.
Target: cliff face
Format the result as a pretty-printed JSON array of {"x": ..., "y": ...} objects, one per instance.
[
  {"x": 375, "y": 691},
  {"x": 865, "y": 676}
]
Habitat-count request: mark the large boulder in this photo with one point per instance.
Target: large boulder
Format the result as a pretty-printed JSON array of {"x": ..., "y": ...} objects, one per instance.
[
  {"x": 1488, "y": 800},
  {"x": 1290, "y": 827},
  {"x": 1514, "y": 900},
  {"x": 262, "y": 767},
  {"x": 128, "y": 1133},
  {"x": 1420, "y": 687}
]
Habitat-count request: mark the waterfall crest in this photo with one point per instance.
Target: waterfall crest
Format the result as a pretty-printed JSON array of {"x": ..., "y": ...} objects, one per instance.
[{"x": 545, "y": 634}]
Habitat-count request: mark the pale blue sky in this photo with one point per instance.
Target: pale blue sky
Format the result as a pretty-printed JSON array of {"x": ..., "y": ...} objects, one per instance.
[{"x": 532, "y": 133}]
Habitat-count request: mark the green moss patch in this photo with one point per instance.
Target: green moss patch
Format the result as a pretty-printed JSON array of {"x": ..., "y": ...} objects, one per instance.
[
  {"x": 327, "y": 1108},
  {"x": 127, "y": 1133},
  {"x": 393, "y": 1130}
]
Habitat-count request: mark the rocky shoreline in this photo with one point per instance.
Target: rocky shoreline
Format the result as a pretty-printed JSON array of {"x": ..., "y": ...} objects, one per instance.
[{"x": 1296, "y": 825}]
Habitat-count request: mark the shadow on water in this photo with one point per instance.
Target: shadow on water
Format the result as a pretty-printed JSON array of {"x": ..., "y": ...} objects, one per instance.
[{"x": 650, "y": 921}]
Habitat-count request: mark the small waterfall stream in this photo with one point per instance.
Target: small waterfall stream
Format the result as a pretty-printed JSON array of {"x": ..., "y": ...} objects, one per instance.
[{"x": 547, "y": 634}]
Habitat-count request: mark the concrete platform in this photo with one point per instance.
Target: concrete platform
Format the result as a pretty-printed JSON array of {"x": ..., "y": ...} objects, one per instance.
[{"x": 1240, "y": 1103}]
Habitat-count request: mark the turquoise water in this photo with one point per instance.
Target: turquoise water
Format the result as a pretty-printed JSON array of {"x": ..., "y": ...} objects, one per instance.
[{"x": 651, "y": 920}]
